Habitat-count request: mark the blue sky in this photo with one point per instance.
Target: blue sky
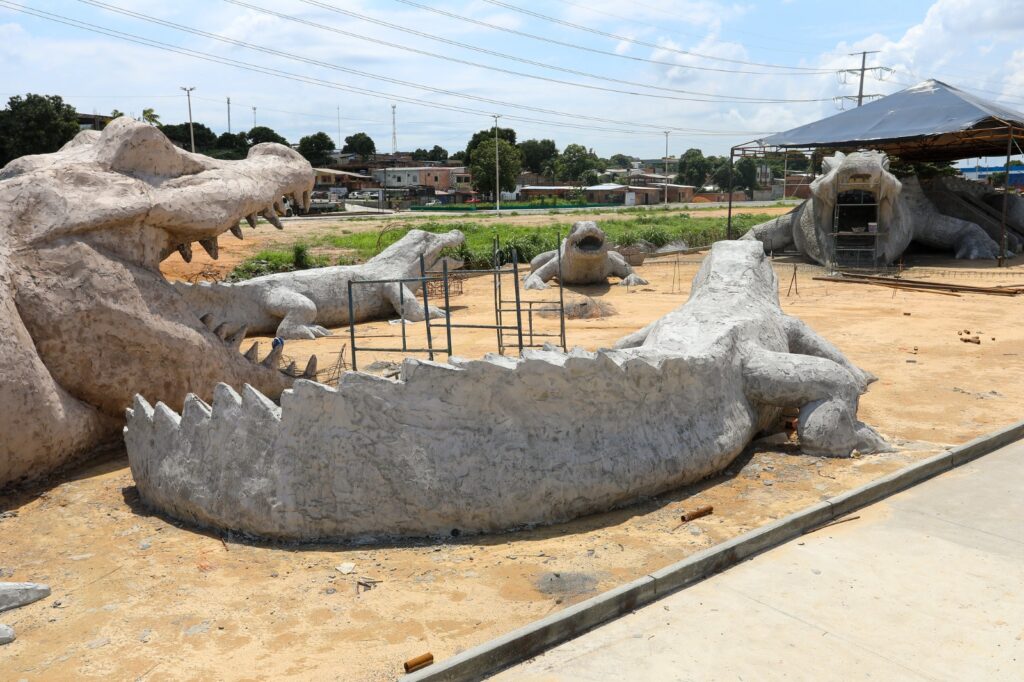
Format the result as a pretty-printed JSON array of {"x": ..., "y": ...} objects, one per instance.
[{"x": 700, "y": 46}]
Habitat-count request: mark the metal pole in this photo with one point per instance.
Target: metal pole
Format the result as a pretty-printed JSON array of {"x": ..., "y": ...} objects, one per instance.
[
  {"x": 666, "y": 167},
  {"x": 561, "y": 293},
  {"x": 191, "y": 133},
  {"x": 352, "y": 327},
  {"x": 426, "y": 308},
  {"x": 401, "y": 314},
  {"x": 1006, "y": 196},
  {"x": 860, "y": 90},
  {"x": 728, "y": 223},
  {"x": 447, "y": 305},
  {"x": 229, "y": 115},
  {"x": 497, "y": 172},
  {"x": 497, "y": 294},
  {"x": 519, "y": 306},
  {"x": 254, "y": 117},
  {"x": 785, "y": 171},
  {"x": 339, "y": 133}
]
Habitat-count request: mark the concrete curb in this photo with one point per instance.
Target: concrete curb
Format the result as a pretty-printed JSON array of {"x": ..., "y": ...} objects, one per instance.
[{"x": 536, "y": 637}]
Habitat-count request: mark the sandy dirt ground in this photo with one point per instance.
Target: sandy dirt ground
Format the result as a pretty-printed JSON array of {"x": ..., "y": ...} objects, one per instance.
[{"x": 136, "y": 596}]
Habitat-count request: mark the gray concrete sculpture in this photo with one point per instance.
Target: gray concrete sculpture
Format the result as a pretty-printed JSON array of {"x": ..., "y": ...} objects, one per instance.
[
  {"x": 586, "y": 259},
  {"x": 86, "y": 318},
  {"x": 14, "y": 595},
  {"x": 905, "y": 213},
  {"x": 298, "y": 305},
  {"x": 492, "y": 444}
]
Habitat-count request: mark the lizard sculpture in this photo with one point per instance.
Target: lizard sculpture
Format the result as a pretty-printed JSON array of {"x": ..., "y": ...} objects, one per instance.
[
  {"x": 86, "y": 318},
  {"x": 492, "y": 444},
  {"x": 299, "y": 305},
  {"x": 586, "y": 259},
  {"x": 906, "y": 212}
]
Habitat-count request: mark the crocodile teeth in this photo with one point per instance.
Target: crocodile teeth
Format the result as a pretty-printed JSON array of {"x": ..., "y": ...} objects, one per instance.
[
  {"x": 307, "y": 200},
  {"x": 279, "y": 206},
  {"x": 310, "y": 371},
  {"x": 207, "y": 319},
  {"x": 251, "y": 219},
  {"x": 271, "y": 217},
  {"x": 221, "y": 331},
  {"x": 290, "y": 371},
  {"x": 235, "y": 340},
  {"x": 211, "y": 247},
  {"x": 237, "y": 231},
  {"x": 297, "y": 200},
  {"x": 253, "y": 353},
  {"x": 186, "y": 251},
  {"x": 274, "y": 358}
]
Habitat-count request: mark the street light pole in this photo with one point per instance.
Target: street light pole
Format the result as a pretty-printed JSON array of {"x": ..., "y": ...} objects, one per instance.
[
  {"x": 191, "y": 133},
  {"x": 254, "y": 117},
  {"x": 497, "y": 172},
  {"x": 665, "y": 169}
]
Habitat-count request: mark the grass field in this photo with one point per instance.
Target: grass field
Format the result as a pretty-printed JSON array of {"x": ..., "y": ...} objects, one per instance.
[{"x": 656, "y": 228}]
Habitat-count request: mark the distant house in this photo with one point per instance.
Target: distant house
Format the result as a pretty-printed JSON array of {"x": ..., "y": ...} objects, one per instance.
[
  {"x": 328, "y": 179},
  {"x": 545, "y": 192},
  {"x": 93, "y": 121}
]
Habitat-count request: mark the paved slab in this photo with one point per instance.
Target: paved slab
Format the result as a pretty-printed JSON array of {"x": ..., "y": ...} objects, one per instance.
[{"x": 926, "y": 585}]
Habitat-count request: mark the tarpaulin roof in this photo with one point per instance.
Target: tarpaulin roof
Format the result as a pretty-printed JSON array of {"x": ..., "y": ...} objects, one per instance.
[{"x": 931, "y": 121}]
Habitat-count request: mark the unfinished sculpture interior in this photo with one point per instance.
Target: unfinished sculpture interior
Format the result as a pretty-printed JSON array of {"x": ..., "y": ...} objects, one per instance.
[
  {"x": 86, "y": 318},
  {"x": 585, "y": 259},
  {"x": 492, "y": 444},
  {"x": 299, "y": 305},
  {"x": 861, "y": 214}
]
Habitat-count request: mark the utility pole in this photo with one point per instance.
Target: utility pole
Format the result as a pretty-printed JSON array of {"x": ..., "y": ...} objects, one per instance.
[
  {"x": 191, "y": 133},
  {"x": 666, "y": 167},
  {"x": 339, "y": 132},
  {"x": 254, "y": 117},
  {"x": 394, "y": 131},
  {"x": 497, "y": 166},
  {"x": 229, "y": 115},
  {"x": 860, "y": 72}
]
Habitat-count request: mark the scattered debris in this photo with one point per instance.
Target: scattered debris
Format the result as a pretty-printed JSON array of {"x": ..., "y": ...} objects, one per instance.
[
  {"x": 697, "y": 513},
  {"x": 345, "y": 568},
  {"x": 834, "y": 522},
  {"x": 971, "y": 339},
  {"x": 13, "y": 595},
  {"x": 367, "y": 584},
  {"x": 6, "y": 634},
  {"x": 421, "y": 661}
]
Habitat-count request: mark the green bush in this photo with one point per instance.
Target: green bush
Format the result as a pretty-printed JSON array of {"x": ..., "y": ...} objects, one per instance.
[{"x": 270, "y": 261}]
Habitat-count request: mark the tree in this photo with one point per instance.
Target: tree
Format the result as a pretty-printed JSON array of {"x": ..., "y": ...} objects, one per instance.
[
  {"x": 35, "y": 124},
  {"x": 576, "y": 161},
  {"x": 620, "y": 161},
  {"x": 231, "y": 146},
  {"x": 178, "y": 133},
  {"x": 745, "y": 174},
  {"x": 458, "y": 156},
  {"x": 536, "y": 153},
  {"x": 116, "y": 113},
  {"x": 506, "y": 134},
  {"x": 693, "y": 168},
  {"x": 317, "y": 148},
  {"x": 482, "y": 167},
  {"x": 151, "y": 117},
  {"x": 261, "y": 134},
  {"x": 420, "y": 155},
  {"x": 438, "y": 153},
  {"x": 361, "y": 144}
]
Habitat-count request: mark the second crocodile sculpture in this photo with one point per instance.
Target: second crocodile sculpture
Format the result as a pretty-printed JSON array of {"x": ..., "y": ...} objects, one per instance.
[
  {"x": 585, "y": 259},
  {"x": 492, "y": 444}
]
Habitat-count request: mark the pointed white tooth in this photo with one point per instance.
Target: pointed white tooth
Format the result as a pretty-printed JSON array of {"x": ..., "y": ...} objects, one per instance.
[
  {"x": 251, "y": 219},
  {"x": 310, "y": 371},
  {"x": 290, "y": 371},
  {"x": 235, "y": 340},
  {"x": 271, "y": 217},
  {"x": 237, "y": 231},
  {"x": 297, "y": 199},
  {"x": 211, "y": 247},
  {"x": 186, "y": 251},
  {"x": 274, "y": 358},
  {"x": 254, "y": 352},
  {"x": 307, "y": 200},
  {"x": 207, "y": 319}
]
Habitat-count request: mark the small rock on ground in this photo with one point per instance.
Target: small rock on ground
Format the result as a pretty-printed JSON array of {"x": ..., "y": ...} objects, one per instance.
[
  {"x": 13, "y": 595},
  {"x": 6, "y": 634}
]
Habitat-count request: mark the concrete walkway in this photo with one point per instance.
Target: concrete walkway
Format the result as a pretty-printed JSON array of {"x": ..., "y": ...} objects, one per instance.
[{"x": 926, "y": 585}]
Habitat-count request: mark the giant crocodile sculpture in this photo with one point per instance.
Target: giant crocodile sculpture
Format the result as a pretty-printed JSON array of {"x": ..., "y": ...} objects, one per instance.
[
  {"x": 86, "y": 319},
  {"x": 586, "y": 259},
  {"x": 492, "y": 444},
  {"x": 932, "y": 215},
  {"x": 298, "y": 305}
]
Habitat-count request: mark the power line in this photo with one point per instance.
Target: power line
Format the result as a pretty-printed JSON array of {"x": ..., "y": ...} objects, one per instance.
[
  {"x": 594, "y": 50},
  {"x": 379, "y": 77},
  {"x": 861, "y": 71},
  {"x": 309, "y": 80},
  {"x": 712, "y": 97},
  {"x": 614, "y": 36}
]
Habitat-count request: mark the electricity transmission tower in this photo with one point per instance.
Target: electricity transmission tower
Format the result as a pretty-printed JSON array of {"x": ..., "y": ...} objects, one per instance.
[{"x": 879, "y": 72}]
